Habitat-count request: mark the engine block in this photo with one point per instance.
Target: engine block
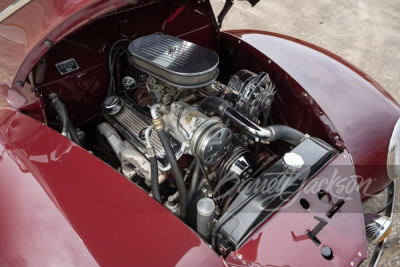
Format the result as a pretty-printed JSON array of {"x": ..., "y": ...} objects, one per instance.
[{"x": 132, "y": 125}]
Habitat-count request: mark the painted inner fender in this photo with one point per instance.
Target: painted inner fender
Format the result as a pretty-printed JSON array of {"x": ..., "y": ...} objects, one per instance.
[{"x": 359, "y": 109}]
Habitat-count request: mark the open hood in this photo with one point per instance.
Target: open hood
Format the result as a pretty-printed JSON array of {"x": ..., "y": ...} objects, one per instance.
[{"x": 227, "y": 7}]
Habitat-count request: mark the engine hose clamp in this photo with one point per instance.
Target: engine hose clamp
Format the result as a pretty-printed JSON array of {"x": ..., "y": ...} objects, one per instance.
[
  {"x": 150, "y": 151},
  {"x": 158, "y": 124},
  {"x": 306, "y": 136}
]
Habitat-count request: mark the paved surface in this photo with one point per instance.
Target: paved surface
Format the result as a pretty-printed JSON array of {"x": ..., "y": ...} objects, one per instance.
[{"x": 364, "y": 32}]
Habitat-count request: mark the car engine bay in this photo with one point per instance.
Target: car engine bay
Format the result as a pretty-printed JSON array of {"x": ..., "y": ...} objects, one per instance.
[{"x": 167, "y": 123}]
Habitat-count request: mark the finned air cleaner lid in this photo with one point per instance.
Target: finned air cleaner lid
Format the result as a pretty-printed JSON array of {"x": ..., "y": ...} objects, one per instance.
[{"x": 175, "y": 61}]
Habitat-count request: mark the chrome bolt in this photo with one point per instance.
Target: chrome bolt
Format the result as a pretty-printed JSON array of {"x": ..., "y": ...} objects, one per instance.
[{"x": 48, "y": 43}]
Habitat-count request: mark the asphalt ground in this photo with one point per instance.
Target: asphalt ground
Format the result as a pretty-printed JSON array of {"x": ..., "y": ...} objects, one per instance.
[{"x": 366, "y": 33}]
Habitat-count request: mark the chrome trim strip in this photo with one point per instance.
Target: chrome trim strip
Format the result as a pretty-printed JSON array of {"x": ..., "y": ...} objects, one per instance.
[
  {"x": 390, "y": 154},
  {"x": 11, "y": 9}
]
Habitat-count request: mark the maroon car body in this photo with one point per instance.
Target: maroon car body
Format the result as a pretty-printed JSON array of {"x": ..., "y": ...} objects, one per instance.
[{"x": 60, "y": 205}]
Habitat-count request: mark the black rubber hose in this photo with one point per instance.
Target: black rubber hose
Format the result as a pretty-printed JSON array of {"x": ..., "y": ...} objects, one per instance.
[
  {"x": 200, "y": 186},
  {"x": 72, "y": 132},
  {"x": 271, "y": 133},
  {"x": 191, "y": 167},
  {"x": 154, "y": 179},
  {"x": 189, "y": 170},
  {"x": 177, "y": 173},
  {"x": 213, "y": 104},
  {"x": 68, "y": 127},
  {"x": 194, "y": 182},
  {"x": 62, "y": 112},
  {"x": 287, "y": 134}
]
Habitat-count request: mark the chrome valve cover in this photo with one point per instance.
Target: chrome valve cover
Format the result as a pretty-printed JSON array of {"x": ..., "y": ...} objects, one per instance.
[{"x": 132, "y": 125}]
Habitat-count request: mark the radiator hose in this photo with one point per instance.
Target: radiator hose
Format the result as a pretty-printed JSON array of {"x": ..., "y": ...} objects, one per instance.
[{"x": 267, "y": 134}]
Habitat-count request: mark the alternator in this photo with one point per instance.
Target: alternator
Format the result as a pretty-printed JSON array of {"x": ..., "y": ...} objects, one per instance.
[{"x": 252, "y": 93}]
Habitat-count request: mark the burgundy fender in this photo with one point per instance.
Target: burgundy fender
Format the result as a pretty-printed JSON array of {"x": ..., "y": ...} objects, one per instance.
[
  {"x": 62, "y": 206},
  {"x": 354, "y": 109}
]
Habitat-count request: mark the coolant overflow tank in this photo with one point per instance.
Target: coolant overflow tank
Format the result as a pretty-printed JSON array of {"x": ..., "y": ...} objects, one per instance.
[{"x": 175, "y": 61}]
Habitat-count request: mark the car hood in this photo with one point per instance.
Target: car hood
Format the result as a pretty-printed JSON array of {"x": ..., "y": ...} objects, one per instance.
[{"x": 60, "y": 205}]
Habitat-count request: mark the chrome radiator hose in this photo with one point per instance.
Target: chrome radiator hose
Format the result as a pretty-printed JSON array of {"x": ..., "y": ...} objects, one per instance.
[{"x": 265, "y": 135}]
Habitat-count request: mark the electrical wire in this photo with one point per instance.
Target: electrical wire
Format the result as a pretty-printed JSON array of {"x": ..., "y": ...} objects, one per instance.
[{"x": 115, "y": 52}]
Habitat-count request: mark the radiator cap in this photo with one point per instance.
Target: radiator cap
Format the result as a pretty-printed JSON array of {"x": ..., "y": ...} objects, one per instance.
[{"x": 292, "y": 161}]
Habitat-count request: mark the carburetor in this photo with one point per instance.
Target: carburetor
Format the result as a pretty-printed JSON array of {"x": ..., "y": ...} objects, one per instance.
[{"x": 204, "y": 137}]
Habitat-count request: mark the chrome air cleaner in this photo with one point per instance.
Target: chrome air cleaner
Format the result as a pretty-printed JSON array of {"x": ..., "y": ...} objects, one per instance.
[{"x": 175, "y": 61}]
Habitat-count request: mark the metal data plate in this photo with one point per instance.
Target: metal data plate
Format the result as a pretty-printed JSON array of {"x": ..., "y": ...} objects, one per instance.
[{"x": 67, "y": 66}]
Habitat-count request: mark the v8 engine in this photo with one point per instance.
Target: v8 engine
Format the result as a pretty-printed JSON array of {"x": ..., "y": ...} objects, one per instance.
[{"x": 188, "y": 139}]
